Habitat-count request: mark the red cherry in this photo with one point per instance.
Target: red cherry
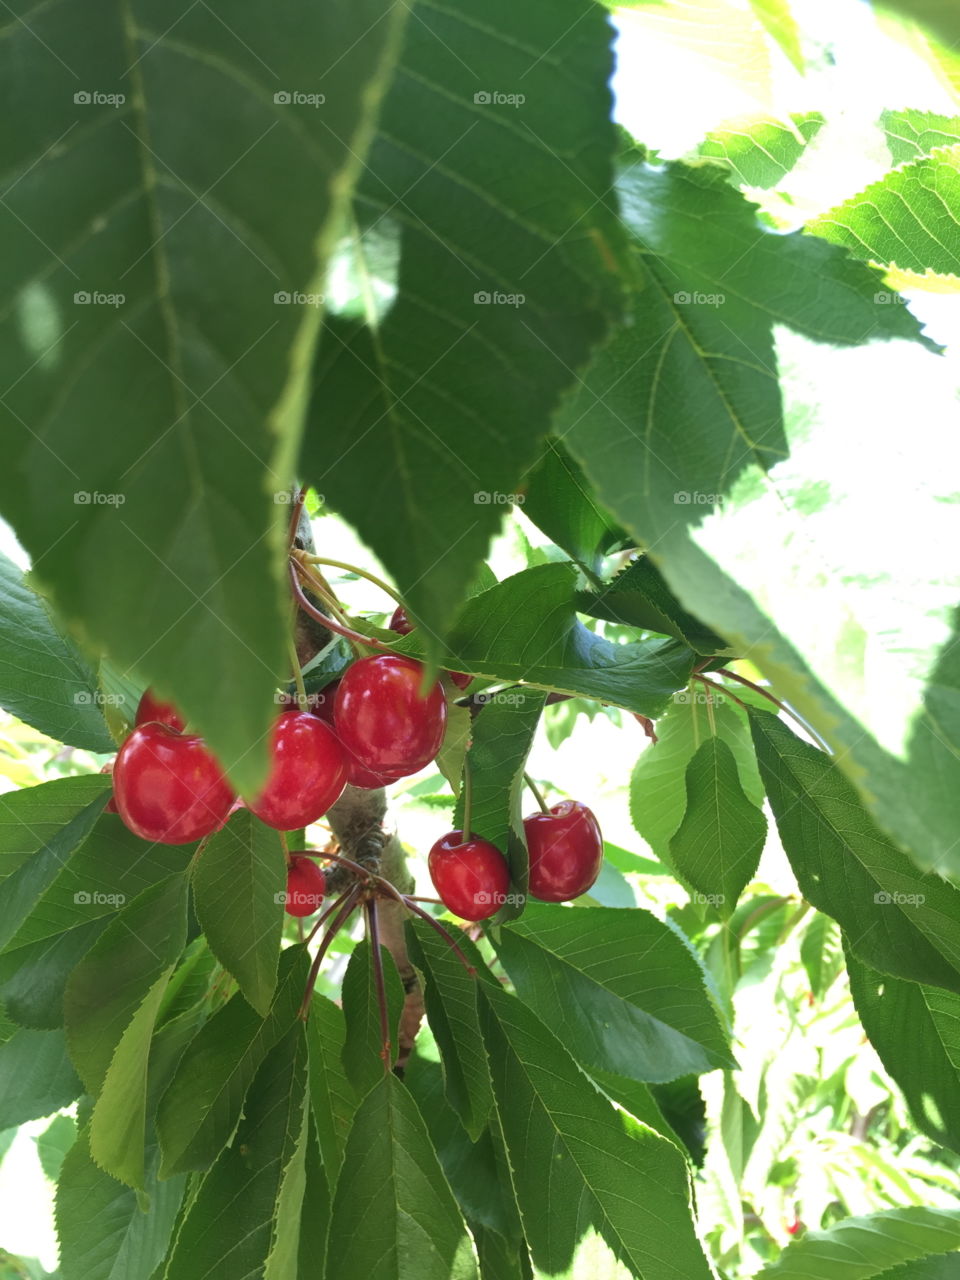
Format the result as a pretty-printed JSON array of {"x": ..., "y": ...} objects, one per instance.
[
  {"x": 403, "y": 626},
  {"x": 168, "y": 787},
  {"x": 566, "y": 851},
  {"x": 381, "y": 719},
  {"x": 321, "y": 704},
  {"x": 460, "y": 678},
  {"x": 306, "y": 885},
  {"x": 152, "y": 711},
  {"x": 471, "y": 876},
  {"x": 111, "y": 805},
  {"x": 307, "y": 773}
]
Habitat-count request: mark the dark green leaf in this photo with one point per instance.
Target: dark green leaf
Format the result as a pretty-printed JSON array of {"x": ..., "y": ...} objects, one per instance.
[
  {"x": 111, "y": 981},
  {"x": 363, "y": 1061},
  {"x": 500, "y": 1259},
  {"x": 246, "y": 1217},
  {"x": 897, "y": 919},
  {"x": 622, "y": 990},
  {"x": 638, "y": 1100},
  {"x": 422, "y": 428},
  {"x": 239, "y": 882},
  {"x": 36, "y": 1077},
  {"x": 559, "y": 500},
  {"x": 761, "y": 152},
  {"x": 717, "y": 846},
  {"x": 639, "y": 597},
  {"x": 575, "y": 1165},
  {"x": 865, "y": 1248},
  {"x": 200, "y": 1109},
  {"x": 916, "y": 1031},
  {"x": 451, "y": 1001},
  {"x": 315, "y": 1213},
  {"x": 333, "y": 1100},
  {"x": 183, "y": 242},
  {"x": 394, "y": 1217},
  {"x": 821, "y": 954},
  {"x": 44, "y": 679},
  {"x": 911, "y": 134},
  {"x": 502, "y": 737},
  {"x": 103, "y": 1232}
]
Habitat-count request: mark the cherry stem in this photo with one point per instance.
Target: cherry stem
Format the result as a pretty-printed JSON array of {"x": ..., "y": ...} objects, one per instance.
[
  {"x": 334, "y": 906},
  {"x": 361, "y": 573},
  {"x": 295, "y": 516},
  {"x": 323, "y": 589},
  {"x": 709, "y": 684},
  {"x": 467, "y": 797},
  {"x": 437, "y": 902},
  {"x": 297, "y": 673},
  {"x": 444, "y": 933},
  {"x": 339, "y": 920},
  {"x": 284, "y": 847},
  {"x": 781, "y": 706},
  {"x": 373, "y": 933},
  {"x": 325, "y": 619},
  {"x": 536, "y": 791}
]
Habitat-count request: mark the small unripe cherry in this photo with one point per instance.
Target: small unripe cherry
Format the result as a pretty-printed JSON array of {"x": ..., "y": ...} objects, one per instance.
[{"x": 306, "y": 886}]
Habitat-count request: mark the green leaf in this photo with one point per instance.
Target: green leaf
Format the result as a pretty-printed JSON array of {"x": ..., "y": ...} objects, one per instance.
[
  {"x": 103, "y": 1232},
  {"x": 36, "y": 1077},
  {"x": 916, "y": 1031},
  {"x": 621, "y": 989},
  {"x": 456, "y": 741},
  {"x": 203, "y": 229},
  {"x": 777, "y": 17},
  {"x": 821, "y": 954},
  {"x": 362, "y": 1048},
  {"x": 200, "y": 1109},
  {"x": 638, "y": 1100},
  {"x": 239, "y": 882},
  {"x": 912, "y": 134},
  {"x": 40, "y": 828},
  {"x": 44, "y": 679},
  {"x": 908, "y": 219},
  {"x": 898, "y": 919},
  {"x": 54, "y": 1144},
  {"x": 574, "y": 1164},
  {"x": 761, "y": 152},
  {"x": 394, "y": 1217},
  {"x": 118, "y": 1123},
  {"x": 423, "y": 426},
  {"x": 558, "y": 499},
  {"x": 864, "y": 1248},
  {"x": 525, "y": 628},
  {"x": 658, "y": 792},
  {"x": 500, "y": 1259},
  {"x": 502, "y": 737},
  {"x": 451, "y": 1002},
  {"x": 332, "y": 1098},
  {"x": 717, "y": 846},
  {"x": 639, "y": 597},
  {"x": 245, "y": 1219},
  {"x": 112, "y": 980}
]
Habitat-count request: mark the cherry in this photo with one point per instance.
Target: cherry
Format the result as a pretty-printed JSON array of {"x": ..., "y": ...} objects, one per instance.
[
  {"x": 306, "y": 885},
  {"x": 471, "y": 876},
  {"x": 168, "y": 787},
  {"x": 403, "y": 626},
  {"x": 307, "y": 773},
  {"x": 382, "y": 721},
  {"x": 566, "y": 851},
  {"x": 151, "y": 710},
  {"x": 111, "y": 805}
]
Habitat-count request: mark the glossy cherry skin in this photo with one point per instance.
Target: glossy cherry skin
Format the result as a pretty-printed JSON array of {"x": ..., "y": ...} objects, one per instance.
[
  {"x": 471, "y": 876},
  {"x": 566, "y": 851},
  {"x": 403, "y": 626},
  {"x": 168, "y": 787},
  {"x": 307, "y": 772},
  {"x": 383, "y": 723},
  {"x": 306, "y": 885},
  {"x": 150, "y": 710}
]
